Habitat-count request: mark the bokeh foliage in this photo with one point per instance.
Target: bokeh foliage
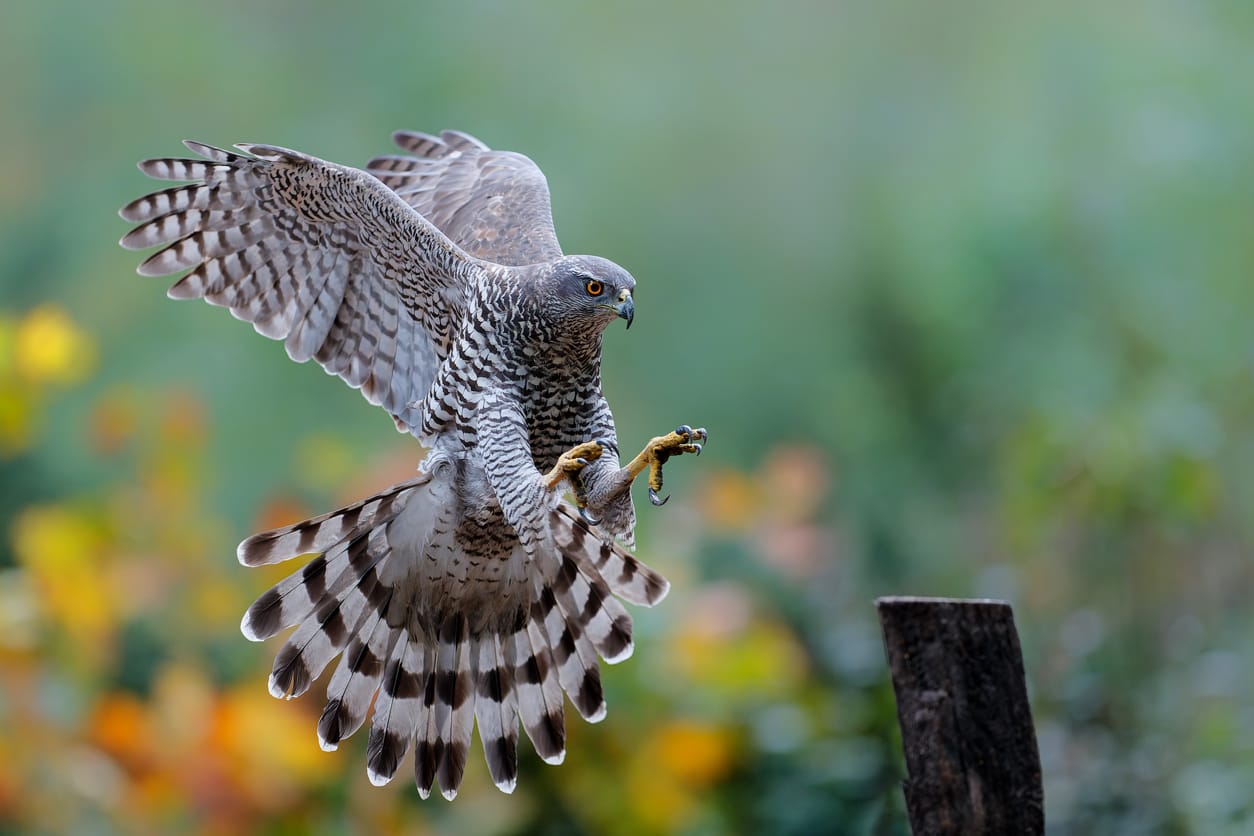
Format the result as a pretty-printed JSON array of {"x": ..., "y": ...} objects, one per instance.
[{"x": 961, "y": 290}]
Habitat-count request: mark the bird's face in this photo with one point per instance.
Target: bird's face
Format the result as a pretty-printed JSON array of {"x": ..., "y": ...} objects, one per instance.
[{"x": 594, "y": 291}]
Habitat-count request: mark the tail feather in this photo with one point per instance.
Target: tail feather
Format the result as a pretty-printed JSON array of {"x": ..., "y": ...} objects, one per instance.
[
  {"x": 496, "y": 710},
  {"x": 295, "y": 598},
  {"x": 626, "y": 576},
  {"x": 385, "y": 590},
  {"x": 588, "y": 603},
  {"x": 539, "y": 692},
  {"x": 439, "y": 747},
  {"x": 576, "y": 660},
  {"x": 424, "y": 739},
  {"x": 454, "y": 712},
  {"x": 355, "y": 681},
  {"x": 322, "y": 532},
  {"x": 340, "y": 615},
  {"x": 397, "y": 708}
]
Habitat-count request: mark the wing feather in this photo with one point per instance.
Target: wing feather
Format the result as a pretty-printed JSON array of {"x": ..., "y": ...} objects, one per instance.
[
  {"x": 319, "y": 255},
  {"x": 495, "y": 205}
]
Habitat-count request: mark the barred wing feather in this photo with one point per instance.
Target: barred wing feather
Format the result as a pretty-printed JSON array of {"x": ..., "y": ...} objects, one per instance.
[{"x": 318, "y": 255}]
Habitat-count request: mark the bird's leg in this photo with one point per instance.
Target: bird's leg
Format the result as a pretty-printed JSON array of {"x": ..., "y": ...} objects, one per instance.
[
  {"x": 570, "y": 467},
  {"x": 656, "y": 453}
]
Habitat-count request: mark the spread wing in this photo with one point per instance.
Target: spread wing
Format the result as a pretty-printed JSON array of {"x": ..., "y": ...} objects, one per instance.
[
  {"x": 318, "y": 255},
  {"x": 493, "y": 204}
]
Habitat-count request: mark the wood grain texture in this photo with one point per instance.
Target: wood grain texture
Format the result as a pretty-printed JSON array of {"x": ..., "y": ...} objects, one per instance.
[{"x": 966, "y": 725}]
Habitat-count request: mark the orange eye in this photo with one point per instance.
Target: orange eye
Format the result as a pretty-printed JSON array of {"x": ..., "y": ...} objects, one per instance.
[{"x": 594, "y": 287}]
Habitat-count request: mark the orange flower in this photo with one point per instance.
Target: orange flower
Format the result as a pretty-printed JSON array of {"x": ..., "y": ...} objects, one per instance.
[
  {"x": 120, "y": 726},
  {"x": 730, "y": 501},
  {"x": 695, "y": 754}
]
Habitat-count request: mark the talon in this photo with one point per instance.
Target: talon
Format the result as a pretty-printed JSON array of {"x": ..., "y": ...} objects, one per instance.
[
  {"x": 588, "y": 518},
  {"x": 570, "y": 465},
  {"x": 659, "y": 451}
]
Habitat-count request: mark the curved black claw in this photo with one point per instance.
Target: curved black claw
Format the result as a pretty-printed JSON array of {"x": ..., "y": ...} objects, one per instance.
[
  {"x": 697, "y": 448},
  {"x": 654, "y": 498},
  {"x": 588, "y": 518}
]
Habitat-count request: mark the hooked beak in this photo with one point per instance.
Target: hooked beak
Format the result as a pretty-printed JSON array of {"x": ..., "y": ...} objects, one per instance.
[{"x": 626, "y": 308}]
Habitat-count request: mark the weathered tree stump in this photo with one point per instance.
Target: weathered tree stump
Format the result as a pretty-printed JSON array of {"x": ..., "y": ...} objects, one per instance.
[{"x": 971, "y": 758}]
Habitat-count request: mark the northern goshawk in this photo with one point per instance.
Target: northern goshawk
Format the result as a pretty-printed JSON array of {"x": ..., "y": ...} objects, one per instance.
[{"x": 434, "y": 283}]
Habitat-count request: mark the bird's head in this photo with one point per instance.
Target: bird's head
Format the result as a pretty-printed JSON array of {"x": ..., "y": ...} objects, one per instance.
[{"x": 586, "y": 288}]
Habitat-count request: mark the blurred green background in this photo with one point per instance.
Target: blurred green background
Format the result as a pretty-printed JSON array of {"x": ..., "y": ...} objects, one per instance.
[{"x": 962, "y": 291}]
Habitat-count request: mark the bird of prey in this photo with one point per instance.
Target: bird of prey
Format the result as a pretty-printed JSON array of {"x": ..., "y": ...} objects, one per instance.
[{"x": 433, "y": 282}]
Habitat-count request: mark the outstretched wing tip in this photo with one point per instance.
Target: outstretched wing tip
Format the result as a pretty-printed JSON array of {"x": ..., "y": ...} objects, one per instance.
[
  {"x": 274, "y": 153},
  {"x": 253, "y": 148}
]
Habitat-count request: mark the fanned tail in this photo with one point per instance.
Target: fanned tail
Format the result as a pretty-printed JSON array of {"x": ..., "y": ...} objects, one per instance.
[{"x": 389, "y": 590}]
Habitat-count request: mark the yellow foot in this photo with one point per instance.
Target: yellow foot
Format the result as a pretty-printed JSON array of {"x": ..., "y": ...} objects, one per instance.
[
  {"x": 569, "y": 467},
  {"x": 656, "y": 453}
]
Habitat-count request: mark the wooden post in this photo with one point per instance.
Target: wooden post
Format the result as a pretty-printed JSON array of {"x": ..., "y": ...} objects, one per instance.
[{"x": 971, "y": 758}]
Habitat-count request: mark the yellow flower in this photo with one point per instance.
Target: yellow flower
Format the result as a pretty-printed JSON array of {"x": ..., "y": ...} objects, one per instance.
[
  {"x": 668, "y": 774},
  {"x": 723, "y": 646},
  {"x": 49, "y": 347},
  {"x": 65, "y": 554}
]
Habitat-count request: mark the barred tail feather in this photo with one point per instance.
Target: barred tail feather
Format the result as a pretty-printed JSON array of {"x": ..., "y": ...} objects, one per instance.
[
  {"x": 433, "y": 664},
  {"x": 320, "y": 533},
  {"x": 586, "y": 601},
  {"x": 539, "y": 692},
  {"x": 328, "y": 576},
  {"x": 355, "y": 681},
  {"x": 443, "y": 741},
  {"x": 397, "y": 708},
  {"x": 339, "y": 616},
  {"x": 496, "y": 710},
  {"x": 624, "y": 575},
  {"x": 294, "y": 599},
  {"x": 576, "y": 661}
]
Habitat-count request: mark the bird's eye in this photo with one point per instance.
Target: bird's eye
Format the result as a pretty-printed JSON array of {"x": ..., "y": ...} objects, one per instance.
[{"x": 594, "y": 287}]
